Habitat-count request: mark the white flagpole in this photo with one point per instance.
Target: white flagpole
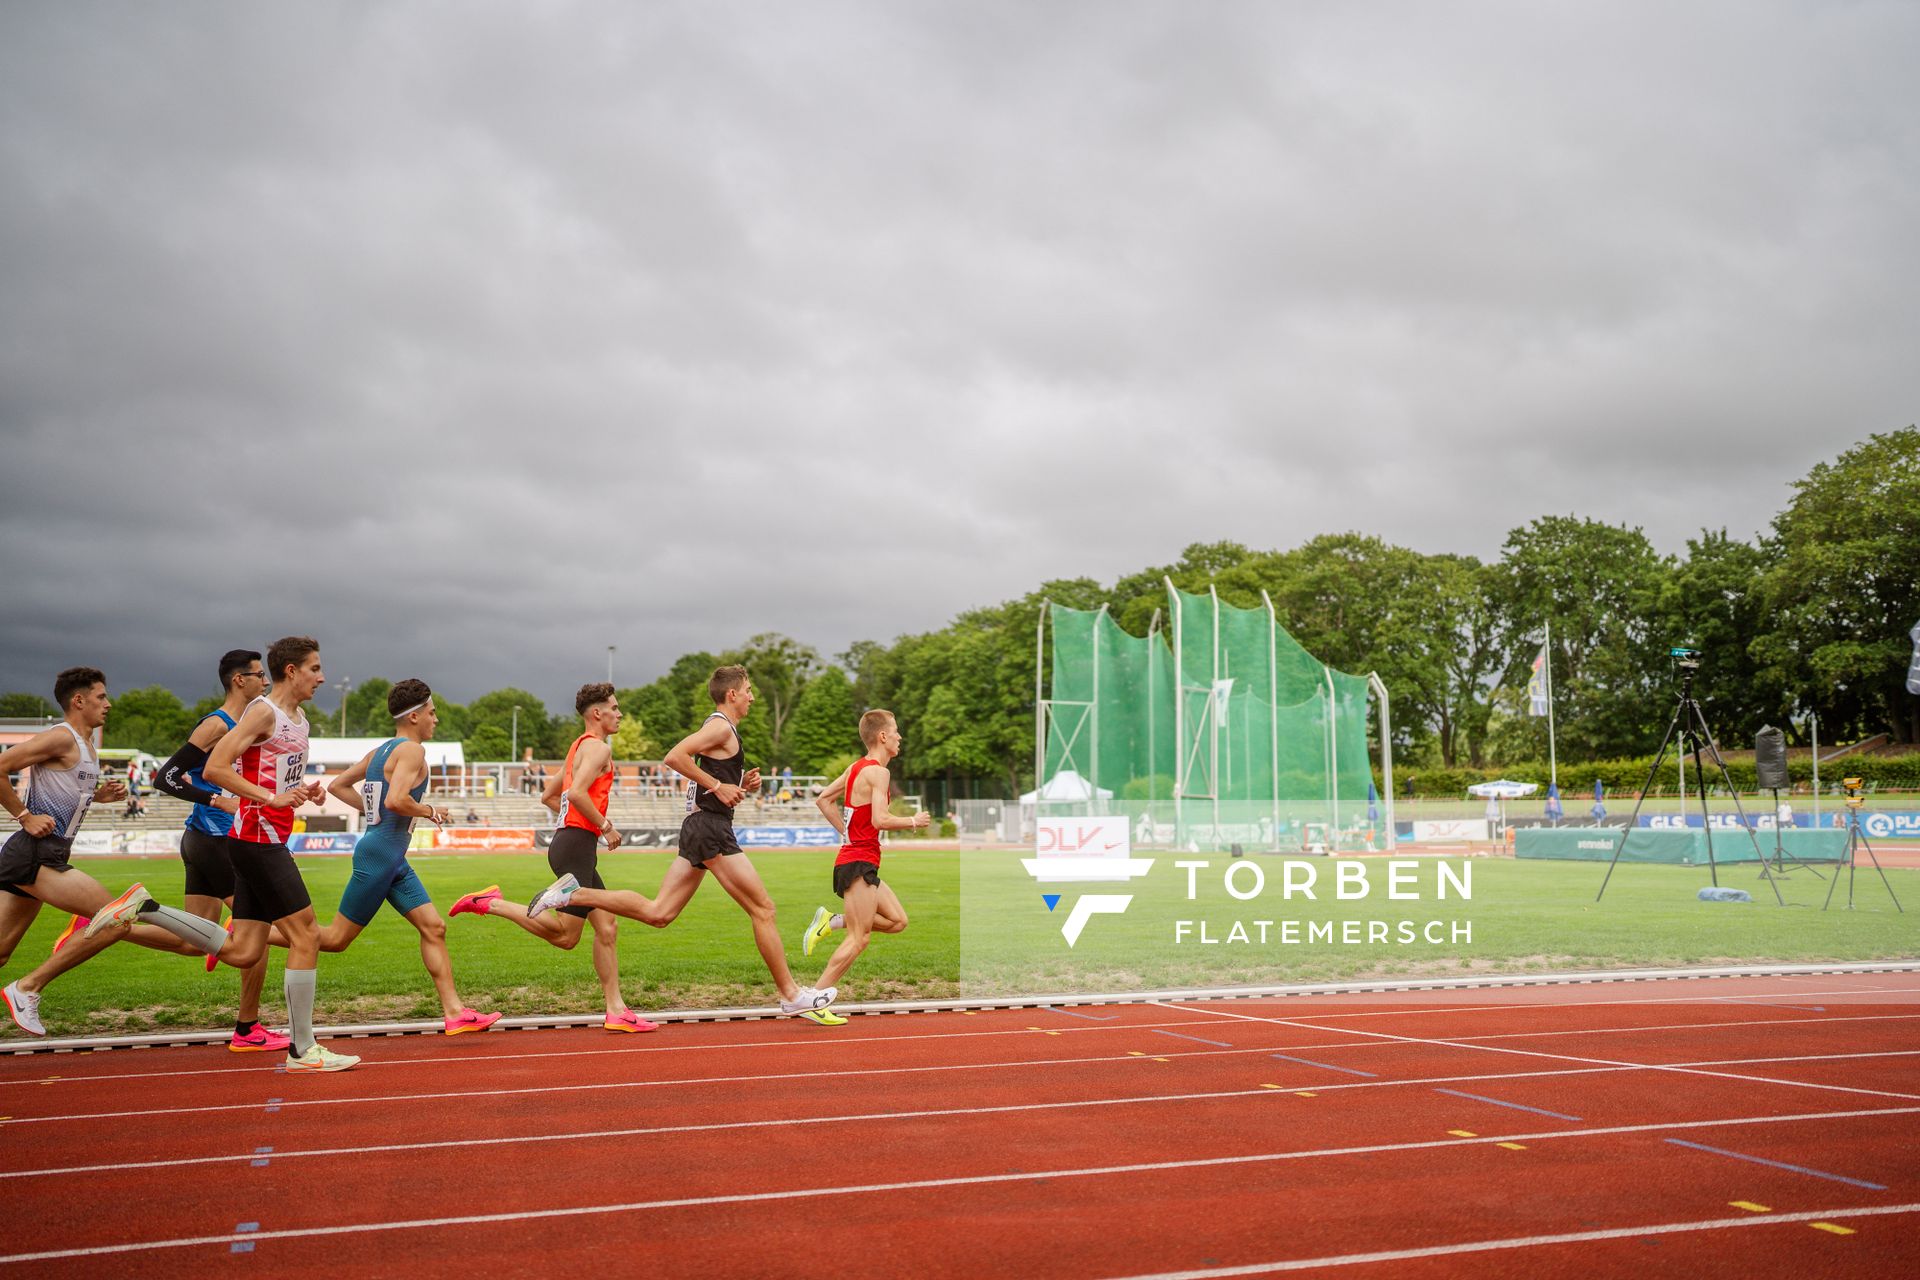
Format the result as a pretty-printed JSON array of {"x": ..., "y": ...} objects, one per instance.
[{"x": 1553, "y": 757}]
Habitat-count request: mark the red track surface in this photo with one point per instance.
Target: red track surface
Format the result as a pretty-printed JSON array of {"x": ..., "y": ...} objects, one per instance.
[{"x": 1099, "y": 1141}]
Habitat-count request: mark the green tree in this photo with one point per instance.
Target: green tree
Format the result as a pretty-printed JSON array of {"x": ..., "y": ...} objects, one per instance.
[
  {"x": 674, "y": 705},
  {"x": 150, "y": 719},
  {"x": 487, "y": 744},
  {"x": 1711, "y": 602},
  {"x": 26, "y": 706},
  {"x": 367, "y": 709},
  {"x": 529, "y": 727},
  {"x": 824, "y": 724},
  {"x": 780, "y": 668},
  {"x": 1842, "y": 591},
  {"x": 631, "y": 741},
  {"x": 1600, "y": 587}
]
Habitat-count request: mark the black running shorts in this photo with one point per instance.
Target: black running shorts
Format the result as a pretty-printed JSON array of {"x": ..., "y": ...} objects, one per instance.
[
  {"x": 23, "y": 855},
  {"x": 706, "y": 835},
  {"x": 266, "y": 884},
  {"x": 209, "y": 863},
  {"x": 847, "y": 872},
  {"x": 575, "y": 851}
]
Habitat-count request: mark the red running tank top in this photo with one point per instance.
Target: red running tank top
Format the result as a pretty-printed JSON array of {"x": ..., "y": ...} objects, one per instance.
[
  {"x": 863, "y": 838},
  {"x": 596, "y": 792}
]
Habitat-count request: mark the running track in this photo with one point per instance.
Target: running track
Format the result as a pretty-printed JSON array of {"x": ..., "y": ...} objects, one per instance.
[{"x": 1726, "y": 1127}]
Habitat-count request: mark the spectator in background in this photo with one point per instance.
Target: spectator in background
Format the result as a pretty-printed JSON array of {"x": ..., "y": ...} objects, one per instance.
[
  {"x": 529, "y": 771},
  {"x": 134, "y": 802}
]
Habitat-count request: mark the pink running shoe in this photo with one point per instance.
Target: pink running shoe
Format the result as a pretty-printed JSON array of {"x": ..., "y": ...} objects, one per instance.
[
  {"x": 213, "y": 961},
  {"x": 74, "y": 925},
  {"x": 477, "y": 903},
  {"x": 259, "y": 1040},
  {"x": 630, "y": 1021},
  {"x": 468, "y": 1020}
]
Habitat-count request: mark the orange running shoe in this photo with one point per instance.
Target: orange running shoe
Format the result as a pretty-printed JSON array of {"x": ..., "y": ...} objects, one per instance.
[
  {"x": 74, "y": 925},
  {"x": 628, "y": 1020},
  {"x": 477, "y": 903},
  {"x": 467, "y": 1020}
]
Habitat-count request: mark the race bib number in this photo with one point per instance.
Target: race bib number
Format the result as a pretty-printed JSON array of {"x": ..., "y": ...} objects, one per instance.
[
  {"x": 371, "y": 793},
  {"x": 293, "y": 770},
  {"x": 565, "y": 805}
]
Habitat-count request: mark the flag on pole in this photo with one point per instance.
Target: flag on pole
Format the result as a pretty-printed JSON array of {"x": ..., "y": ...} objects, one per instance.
[
  {"x": 1537, "y": 684},
  {"x": 1373, "y": 803},
  {"x": 1599, "y": 801},
  {"x": 1554, "y": 812},
  {"x": 1913, "y": 668}
]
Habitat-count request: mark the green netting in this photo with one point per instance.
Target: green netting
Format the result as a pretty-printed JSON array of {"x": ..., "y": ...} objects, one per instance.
[{"x": 1246, "y": 739}]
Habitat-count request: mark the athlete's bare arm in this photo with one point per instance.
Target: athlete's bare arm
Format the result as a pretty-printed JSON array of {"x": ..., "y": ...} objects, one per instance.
[
  {"x": 709, "y": 739},
  {"x": 405, "y": 767},
  {"x": 54, "y": 747},
  {"x": 829, "y": 804},
  {"x": 254, "y": 727},
  {"x": 873, "y": 787},
  {"x": 589, "y": 762},
  {"x": 345, "y": 788}
]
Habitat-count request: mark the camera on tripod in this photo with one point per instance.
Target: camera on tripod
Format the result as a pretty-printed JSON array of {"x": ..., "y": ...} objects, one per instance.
[
  {"x": 1684, "y": 658},
  {"x": 1850, "y": 791}
]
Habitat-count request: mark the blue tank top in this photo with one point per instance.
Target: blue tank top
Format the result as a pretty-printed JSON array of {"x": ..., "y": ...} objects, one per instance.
[
  {"x": 382, "y": 821},
  {"x": 215, "y": 822}
]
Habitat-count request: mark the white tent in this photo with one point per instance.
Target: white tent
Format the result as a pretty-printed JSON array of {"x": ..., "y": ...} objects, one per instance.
[{"x": 1065, "y": 787}]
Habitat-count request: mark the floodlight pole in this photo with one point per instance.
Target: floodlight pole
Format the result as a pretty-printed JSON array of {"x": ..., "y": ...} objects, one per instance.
[
  {"x": 1153, "y": 759},
  {"x": 1039, "y": 711},
  {"x": 1333, "y": 756},
  {"x": 1093, "y": 770}
]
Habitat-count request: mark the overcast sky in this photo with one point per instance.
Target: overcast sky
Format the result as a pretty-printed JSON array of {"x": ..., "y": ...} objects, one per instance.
[{"x": 473, "y": 339}]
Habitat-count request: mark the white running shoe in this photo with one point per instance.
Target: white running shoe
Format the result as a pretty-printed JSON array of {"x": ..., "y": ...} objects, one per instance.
[
  {"x": 807, "y": 999},
  {"x": 25, "y": 1009},
  {"x": 557, "y": 894},
  {"x": 124, "y": 909},
  {"x": 321, "y": 1058}
]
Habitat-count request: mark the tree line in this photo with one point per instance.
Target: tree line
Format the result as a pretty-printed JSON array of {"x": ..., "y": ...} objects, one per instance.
[{"x": 1811, "y": 617}]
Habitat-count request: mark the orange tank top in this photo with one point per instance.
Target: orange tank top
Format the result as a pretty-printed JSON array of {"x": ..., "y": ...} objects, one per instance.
[{"x": 597, "y": 792}]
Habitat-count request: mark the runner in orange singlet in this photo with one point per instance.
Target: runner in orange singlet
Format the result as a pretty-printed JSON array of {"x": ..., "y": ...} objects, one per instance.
[{"x": 577, "y": 794}]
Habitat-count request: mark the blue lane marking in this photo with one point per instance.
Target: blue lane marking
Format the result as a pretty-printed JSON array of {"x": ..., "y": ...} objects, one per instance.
[
  {"x": 1792, "y": 1168},
  {"x": 1515, "y": 1105},
  {"x": 1176, "y": 1035},
  {"x": 1326, "y": 1066},
  {"x": 244, "y": 1246},
  {"x": 1074, "y": 1013},
  {"x": 261, "y": 1151}
]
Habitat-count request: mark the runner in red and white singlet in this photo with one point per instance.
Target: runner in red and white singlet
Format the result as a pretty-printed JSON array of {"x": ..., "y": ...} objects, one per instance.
[
  {"x": 276, "y": 764},
  {"x": 865, "y": 791}
]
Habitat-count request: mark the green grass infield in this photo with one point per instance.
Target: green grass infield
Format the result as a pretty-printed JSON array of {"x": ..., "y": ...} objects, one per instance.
[{"x": 980, "y": 925}]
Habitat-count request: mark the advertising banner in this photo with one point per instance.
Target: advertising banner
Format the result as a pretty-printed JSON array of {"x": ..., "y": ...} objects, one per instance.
[
  {"x": 322, "y": 842},
  {"x": 1451, "y": 829},
  {"x": 783, "y": 837},
  {"x": 516, "y": 838}
]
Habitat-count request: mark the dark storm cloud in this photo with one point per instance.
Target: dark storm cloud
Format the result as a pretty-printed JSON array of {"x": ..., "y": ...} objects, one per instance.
[{"x": 476, "y": 339}]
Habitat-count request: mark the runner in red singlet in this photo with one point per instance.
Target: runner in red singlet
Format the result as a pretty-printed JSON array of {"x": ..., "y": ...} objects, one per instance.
[{"x": 871, "y": 904}]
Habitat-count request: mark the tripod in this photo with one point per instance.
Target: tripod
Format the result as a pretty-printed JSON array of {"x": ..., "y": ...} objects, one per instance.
[
  {"x": 1856, "y": 841},
  {"x": 1689, "y": 726},
  {"x": 1780, "y": 854}
]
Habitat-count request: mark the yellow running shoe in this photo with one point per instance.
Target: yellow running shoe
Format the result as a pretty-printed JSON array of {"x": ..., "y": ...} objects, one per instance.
[
  {"x": 819, "y": 927},
  {"x": 822, "y": 1018}
]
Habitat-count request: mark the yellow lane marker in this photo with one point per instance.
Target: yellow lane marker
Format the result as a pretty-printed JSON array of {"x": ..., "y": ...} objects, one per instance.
[
  {"x": 1135, "y": 1053},
  {"x": 1162, "y": 1059},
  {"x": 1833, "y": 1227},
  {"x": 1749, "y": 1206},
  {"x": 1302, "y": 1093},
  {"x": 1511, "y": 1146},
  {"x": 1463, "y": 1133},
  {"x": 1264, "y": 1086}
]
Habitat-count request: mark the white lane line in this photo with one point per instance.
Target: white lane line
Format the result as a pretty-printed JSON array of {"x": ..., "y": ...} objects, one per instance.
[
  {"x": 628, "y": 1049},
  {"x": 919, "y": 1184},
  {"x": 1701, "y": 997},
  {"x": 1567, "y": 1057},
  {"x": 537, "y": 1056},
  {"x": 1530, "y": 1242},
  {"x": 1129, "y": 1100}
]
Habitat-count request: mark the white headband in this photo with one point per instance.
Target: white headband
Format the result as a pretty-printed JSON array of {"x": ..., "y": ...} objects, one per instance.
[{"x": 410, "y": 710}]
